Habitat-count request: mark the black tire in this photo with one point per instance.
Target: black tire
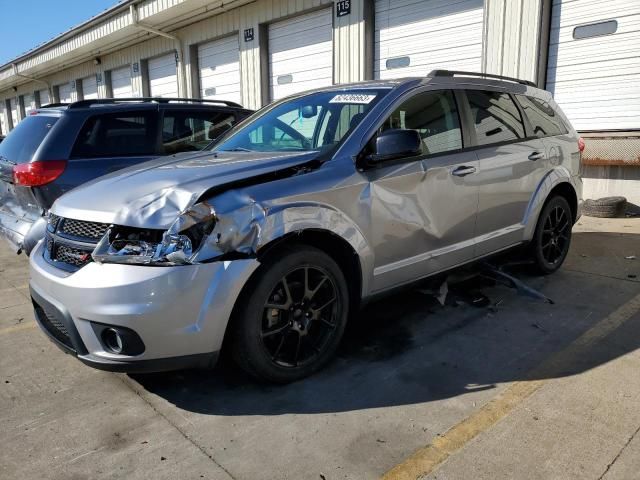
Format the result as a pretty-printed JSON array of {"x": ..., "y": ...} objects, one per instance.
[
  {"x": 552, "y": 237},
  {"x": 281, "y": 332},
  {"x": 608, "y": 207}
]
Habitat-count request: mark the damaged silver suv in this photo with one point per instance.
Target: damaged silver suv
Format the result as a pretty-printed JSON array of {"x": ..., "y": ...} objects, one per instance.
[{"x": 268, "y": 241}]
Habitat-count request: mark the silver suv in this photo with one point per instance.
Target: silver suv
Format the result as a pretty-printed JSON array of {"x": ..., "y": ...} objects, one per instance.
[{"x": 315, "y": 204}]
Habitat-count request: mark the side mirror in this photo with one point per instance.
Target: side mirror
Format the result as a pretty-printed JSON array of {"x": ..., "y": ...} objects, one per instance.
[
  {"x": 309, "y": 111},
  {"x": 396, "y": 143}
]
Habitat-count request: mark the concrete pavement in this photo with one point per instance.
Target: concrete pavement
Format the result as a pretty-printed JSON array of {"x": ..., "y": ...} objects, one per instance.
[{"x": 408, "y": 372}]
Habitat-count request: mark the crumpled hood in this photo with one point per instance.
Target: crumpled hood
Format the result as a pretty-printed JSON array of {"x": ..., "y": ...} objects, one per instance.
[{"x": 152, "y": 194}]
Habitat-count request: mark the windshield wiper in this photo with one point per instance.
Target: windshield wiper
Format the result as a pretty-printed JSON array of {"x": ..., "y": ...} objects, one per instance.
[{"x": 238, "y": 149}]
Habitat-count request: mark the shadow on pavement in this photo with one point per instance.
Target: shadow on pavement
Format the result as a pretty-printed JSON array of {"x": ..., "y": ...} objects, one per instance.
[{"x": 407, "y": 348}]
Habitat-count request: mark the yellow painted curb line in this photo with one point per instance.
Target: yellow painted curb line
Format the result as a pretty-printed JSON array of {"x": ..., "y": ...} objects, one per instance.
[
  {"x": 426, "y": 459},
  {"x": 17, "y": 328}
]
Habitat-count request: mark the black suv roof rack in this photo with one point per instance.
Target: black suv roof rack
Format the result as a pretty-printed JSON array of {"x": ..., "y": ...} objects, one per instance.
[
  {"x": 54, "y": 105},
  {"x": 451, "y": 73},
  {"x": 109, "y": 101}
]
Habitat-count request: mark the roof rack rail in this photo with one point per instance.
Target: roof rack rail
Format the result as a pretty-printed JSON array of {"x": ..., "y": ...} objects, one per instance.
[
  {"x": 451, "y": 73},
  {"x": 53, "y": 105},
  {"x": 109, "y": 101}
]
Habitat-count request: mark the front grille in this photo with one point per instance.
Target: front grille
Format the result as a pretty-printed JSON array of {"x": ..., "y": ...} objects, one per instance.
[
  {"x": 72, "y": 256},
  {"x": 89, "y": 230},
  {"x": 69, "y": 243},
  {"x": 54, "y": 325}
]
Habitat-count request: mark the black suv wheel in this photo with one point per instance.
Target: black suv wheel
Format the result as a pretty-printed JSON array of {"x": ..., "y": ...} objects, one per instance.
[
  {"x": 552, "y": 237},
  {"x": 291, "y": 318}
]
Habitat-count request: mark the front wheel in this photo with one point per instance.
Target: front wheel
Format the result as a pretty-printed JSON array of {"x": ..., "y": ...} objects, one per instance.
[
  {"x": 552, "y": 237},
  {"x": 291, "y": 317}
]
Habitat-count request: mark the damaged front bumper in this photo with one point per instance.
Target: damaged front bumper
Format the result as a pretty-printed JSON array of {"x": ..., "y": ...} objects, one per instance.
[{"x": 179, "y": 313}]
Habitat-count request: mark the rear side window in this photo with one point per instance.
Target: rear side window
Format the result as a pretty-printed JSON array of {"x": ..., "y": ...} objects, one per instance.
[
  {"x": 192, "y": 131},
  {"x": 434, "y": 116},
  {"x": 544, "y": 120},
  {"x": 495, "y": 116},
  {"x": 23, "y": 141},
  {"x": 117, "y": 135}
]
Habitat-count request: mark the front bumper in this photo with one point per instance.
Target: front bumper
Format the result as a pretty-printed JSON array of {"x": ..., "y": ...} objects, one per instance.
[{"x": 180, "y": 313}]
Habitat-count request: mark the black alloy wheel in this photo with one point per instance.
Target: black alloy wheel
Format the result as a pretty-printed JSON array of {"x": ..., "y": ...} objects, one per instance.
[
  {"x": 291, "y": 315},
  {"x": 553, "y": 235}
]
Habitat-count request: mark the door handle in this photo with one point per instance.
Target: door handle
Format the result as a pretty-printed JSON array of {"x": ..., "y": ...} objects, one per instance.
[
  {"x": 536, "y": 156},
  {"x": 462, "y": 171}
]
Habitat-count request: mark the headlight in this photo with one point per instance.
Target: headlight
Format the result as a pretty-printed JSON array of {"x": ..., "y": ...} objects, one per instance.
[{"x": 176, "y": 246}]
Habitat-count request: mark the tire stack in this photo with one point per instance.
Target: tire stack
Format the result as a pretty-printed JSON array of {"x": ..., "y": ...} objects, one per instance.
[{"x": 608, "y": 207}]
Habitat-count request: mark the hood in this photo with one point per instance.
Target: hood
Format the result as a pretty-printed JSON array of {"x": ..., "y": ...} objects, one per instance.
[{"x": 152, "y": 194}]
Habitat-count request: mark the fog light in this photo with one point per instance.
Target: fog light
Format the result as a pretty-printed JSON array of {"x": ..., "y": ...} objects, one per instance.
[{"x": 112, "y": 340}]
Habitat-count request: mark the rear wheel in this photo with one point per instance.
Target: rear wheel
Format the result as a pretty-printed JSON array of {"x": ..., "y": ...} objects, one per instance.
[
  {"x": 290, "y": 320},
  {"x": 552, "y": 237}
]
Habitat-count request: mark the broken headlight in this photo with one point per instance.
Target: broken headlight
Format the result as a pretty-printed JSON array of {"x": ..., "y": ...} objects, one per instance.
[{"x": 176, "y": 246}]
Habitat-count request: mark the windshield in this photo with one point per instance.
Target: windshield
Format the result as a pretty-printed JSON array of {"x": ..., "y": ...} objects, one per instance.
[
  {"x": 314, "y": 122},
  {"x": 23, "y": 141}
]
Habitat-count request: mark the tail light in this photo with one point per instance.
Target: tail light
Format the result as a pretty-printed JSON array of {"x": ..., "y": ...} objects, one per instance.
[
  {"x": 581, "y": 145},
  {"x": 36, "y": 174}
]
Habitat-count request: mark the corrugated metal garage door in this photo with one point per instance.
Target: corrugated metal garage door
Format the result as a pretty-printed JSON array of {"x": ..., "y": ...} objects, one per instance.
[
  {"x": 14, "y": 111},
  {"x": 44, "y": 97},
  {"x": 29, "y": 104},
  {"x": 163, "y": 78},
  {"x": 413, "y": 37},
  {"x": 64, "y": 92},
  {"x": 594, "y": 67},
  {"x": 121, "y": 82},
  {"x": 301, "y": 53},
  {"x": 3, "y": 119},
  {"x": 89, "y": 88},
  {"x": 219, "y": 64}
]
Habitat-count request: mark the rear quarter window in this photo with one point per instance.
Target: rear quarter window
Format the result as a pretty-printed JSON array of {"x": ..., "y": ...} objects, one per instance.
[
  {"x": 496, "y": 117},
  {"x": 117, "y": 135},
  {"x": 544, "y": 120},
  {"x": 23, "y": 141}
]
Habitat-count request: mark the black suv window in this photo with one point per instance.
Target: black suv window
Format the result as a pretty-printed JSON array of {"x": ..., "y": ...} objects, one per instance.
[
  {"x": 185, "y": 131},
  {"x": 544, "y": 120},
  {"x": 25, "y": 139},
  {"x": 117, "y": 135},
  {"x": 495, "y": 116},
  {"x": 435, "y": 116}
]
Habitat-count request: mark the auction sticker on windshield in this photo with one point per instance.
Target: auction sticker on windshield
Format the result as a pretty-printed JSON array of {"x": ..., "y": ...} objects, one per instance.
[{"x": 360, "y": 98}]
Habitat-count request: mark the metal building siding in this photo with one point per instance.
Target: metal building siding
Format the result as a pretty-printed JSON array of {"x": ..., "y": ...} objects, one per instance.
[
  {"x": 596, "y": 80},
  {"x": 300, "y": 53},
  {"x": 429, "y": 34},
  {"x": 512, "y": 38},
  {"x": 219, "y": 69},
  {"x": 163, "y": 78}
]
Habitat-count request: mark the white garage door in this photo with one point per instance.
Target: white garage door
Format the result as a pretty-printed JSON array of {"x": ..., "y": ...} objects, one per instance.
[
  {"x": 90, "y": 88},
  {"x": 163, "y": 78},
  {"x": 121, "y": 82},
  {"x": 413, "y": 37},
  {"x": 29, "y": 104},
  {"x": 14, "y": 111},
  {"x": 44, "y": 97},
  {"x": 301, "y": 53},
  {"x": 3, "y": 118},
  {"x": 64, "y": 92},
  {"x": 594, "y": 68},
  {"x": 219, "y": 64}
]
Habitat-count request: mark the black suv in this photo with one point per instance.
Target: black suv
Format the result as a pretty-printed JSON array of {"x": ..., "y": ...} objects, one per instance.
[{"x": 61, "y": 146}]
